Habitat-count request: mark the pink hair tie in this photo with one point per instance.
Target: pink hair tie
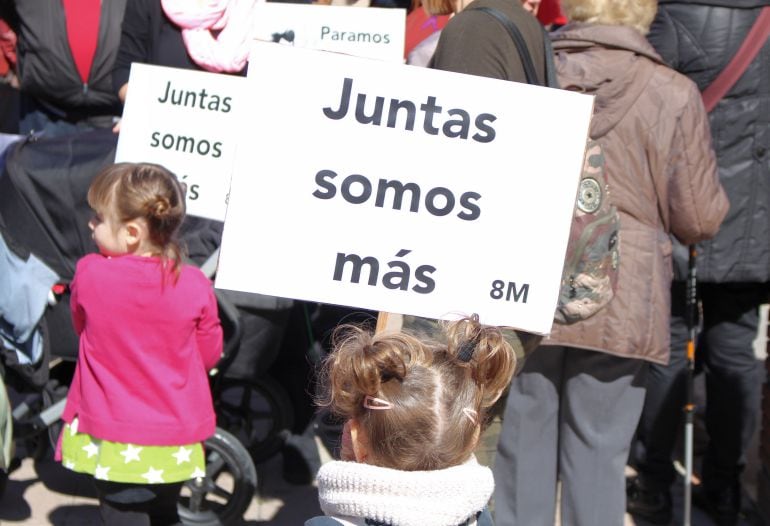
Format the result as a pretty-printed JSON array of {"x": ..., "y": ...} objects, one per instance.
[
  {"x": 471, "y": 414},
  {"x": 371, "y": 402}
]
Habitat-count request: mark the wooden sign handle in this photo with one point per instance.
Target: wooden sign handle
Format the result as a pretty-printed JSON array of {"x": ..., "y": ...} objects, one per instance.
[{"x": 388, "y": 322}]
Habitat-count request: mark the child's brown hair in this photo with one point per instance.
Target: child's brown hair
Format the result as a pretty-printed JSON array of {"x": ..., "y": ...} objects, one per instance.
[
  {"x": 147, "y": 191},
  {"x": 420, "y": 403}
]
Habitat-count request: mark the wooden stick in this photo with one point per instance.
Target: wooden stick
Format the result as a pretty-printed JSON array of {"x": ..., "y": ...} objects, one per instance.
[
  {"x": 388, "y": 322},
  {"x": 382, "y": 322}
]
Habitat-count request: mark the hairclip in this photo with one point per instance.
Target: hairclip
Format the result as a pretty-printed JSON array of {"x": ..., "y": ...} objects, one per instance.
[
  {"x": 471, "y": 414},
  {"x": 466, "y": 350},
  {"x": 371, "y": 402}
]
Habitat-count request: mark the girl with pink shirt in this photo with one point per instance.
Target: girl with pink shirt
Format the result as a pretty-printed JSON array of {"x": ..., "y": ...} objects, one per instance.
[{"x": 140, "y": 405}]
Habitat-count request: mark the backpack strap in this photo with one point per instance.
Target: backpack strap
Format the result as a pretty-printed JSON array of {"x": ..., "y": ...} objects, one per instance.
[
  {"x": 550, "y": 67},
  {"x": 521, "y": 46},
  {"x": 732, "y": 72}
]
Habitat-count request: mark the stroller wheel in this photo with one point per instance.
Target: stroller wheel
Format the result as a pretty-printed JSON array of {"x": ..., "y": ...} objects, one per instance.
[
  {"x": 222, "y": 497},
  {"x": 258, "y": 412}
]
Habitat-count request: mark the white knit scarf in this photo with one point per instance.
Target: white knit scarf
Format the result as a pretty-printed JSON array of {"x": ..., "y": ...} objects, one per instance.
[
  {"x": 232, "y": 19},
  {"x": 444, "y": 497}
]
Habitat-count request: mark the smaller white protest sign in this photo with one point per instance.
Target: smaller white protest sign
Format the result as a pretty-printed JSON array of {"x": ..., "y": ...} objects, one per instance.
[
  {"x": 186, "y": 121},
  {"x": 373, "y": 32},
  {"x": 403, "y": 189}
]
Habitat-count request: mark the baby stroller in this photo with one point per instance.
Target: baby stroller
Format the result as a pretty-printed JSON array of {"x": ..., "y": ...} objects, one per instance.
[
  {"x": 43, "y": 217},
  {"x": 6, "y": 437}
]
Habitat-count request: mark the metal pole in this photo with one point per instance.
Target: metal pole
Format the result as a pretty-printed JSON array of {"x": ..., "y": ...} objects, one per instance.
[{"x": 689, "y": 408}]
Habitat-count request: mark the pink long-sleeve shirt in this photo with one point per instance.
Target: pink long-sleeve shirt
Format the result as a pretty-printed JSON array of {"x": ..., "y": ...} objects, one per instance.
[{"x": 146, "y": 344}]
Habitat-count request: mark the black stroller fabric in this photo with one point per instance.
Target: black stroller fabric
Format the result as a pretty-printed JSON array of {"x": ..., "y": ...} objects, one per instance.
[
  {"x": 43, "y": 191},
  {"x": 44, "y": 210},
  {"x": 42, "y": 194},
  {"x": 9, "y": 109},
  {"x": 34, "y": 373}
]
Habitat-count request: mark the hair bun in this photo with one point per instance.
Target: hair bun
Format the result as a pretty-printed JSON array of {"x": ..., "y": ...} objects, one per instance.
[
  {"x": 159, "y": 207},
  {"x": 484, "y": 350}
]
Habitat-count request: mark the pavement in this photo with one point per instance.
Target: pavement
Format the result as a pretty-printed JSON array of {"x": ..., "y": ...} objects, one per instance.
[{"x": 41, "y": 492}]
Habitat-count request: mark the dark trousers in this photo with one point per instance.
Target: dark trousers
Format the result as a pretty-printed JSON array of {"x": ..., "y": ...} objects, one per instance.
[
  {"x": 9, "y": 109},
  {"x": 138, "y": 504},
  {"x": 726, "y": 354},
  {"x": 570, "y": 417}
]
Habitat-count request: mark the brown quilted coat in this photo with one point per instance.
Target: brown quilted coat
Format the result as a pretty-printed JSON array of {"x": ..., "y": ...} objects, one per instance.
[{"x": 661, "y": 171}]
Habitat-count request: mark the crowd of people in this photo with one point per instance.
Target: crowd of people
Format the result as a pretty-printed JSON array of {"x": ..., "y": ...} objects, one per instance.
[{"x": 404, "y": 413}]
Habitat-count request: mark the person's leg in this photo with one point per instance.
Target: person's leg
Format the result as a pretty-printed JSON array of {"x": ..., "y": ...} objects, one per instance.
[
  {"x": 118, "y": 503},
  {"x": 601, "y": 402},
  {"x": 138, "y": 504},
  {"x": 115, "y": 514},
  {"x": 649, "y": 494},
  {"x": 35, "y": 118},
  {"x": 163, "y": 508},
  {"x": 31, "y": 118},
  {"x": 525, "y": 466},
  {"x": 733, "y": 383}
]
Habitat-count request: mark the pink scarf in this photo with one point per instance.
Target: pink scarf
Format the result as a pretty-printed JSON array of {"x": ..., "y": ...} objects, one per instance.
[{"x": 229, "y": 50}]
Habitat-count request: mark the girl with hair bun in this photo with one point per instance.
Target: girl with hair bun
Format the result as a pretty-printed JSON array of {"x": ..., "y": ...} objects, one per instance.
[
  {"x": 139, "y": 406},
  {"x": 414, "y": 410}
]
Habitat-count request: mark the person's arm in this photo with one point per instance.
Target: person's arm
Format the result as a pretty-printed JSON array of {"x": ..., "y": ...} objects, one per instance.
[
  {"x": 8, "y": 13},
  {"x": 135, "y": 43},
  {"x": 78, "y": 314},
  {"x": 476, "y": 43},
  {"x": 209, "y": 332},
  {"x": 122, "y": 92},
  {"x": 664, "y": 37},
  {"x": 697, "y": 203}
]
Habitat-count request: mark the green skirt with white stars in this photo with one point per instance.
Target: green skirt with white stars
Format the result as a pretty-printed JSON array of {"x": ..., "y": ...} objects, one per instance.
[{"x": 118, "y": 462}]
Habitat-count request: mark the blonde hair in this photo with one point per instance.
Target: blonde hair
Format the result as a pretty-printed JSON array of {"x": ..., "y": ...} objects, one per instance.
[
  {"x": 439, "y": 7},
  {"x": 631, "y": 13},
  {"x": 437, "y": 395},
  {"x": 146, "y": 191}
]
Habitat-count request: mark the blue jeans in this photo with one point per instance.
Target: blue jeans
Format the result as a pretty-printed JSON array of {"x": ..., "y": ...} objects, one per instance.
[{"x": 36, "y": 118}]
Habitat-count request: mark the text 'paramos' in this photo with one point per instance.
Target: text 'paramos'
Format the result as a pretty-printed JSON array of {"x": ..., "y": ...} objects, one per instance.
[{"x": 328, "y": 33}]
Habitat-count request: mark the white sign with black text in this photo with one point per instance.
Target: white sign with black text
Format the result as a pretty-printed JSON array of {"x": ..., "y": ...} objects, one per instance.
[
  {"x": 187, "y": 121},
  {"x": 401, "y": 189},
  {"x": 373, "y": 32}
]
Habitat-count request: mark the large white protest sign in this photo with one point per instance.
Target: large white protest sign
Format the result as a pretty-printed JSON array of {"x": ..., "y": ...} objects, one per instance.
[
  {"x": 373, "y": 32},
  {"x": 403, "y": 189},
  {"x": 188, "y": 122}
]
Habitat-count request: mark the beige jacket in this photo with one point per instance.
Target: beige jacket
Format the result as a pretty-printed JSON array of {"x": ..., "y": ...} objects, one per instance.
[{"x": 661, "y": 172}]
